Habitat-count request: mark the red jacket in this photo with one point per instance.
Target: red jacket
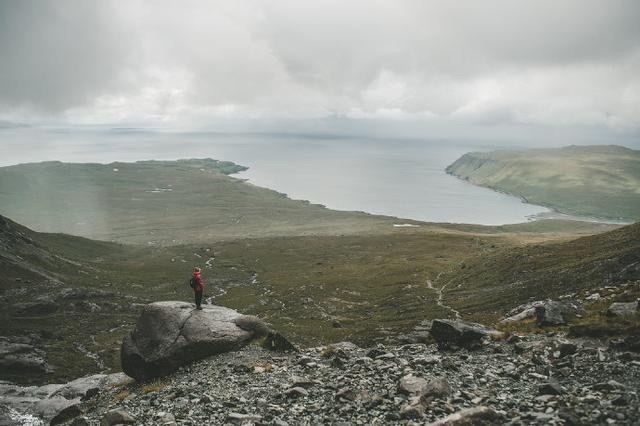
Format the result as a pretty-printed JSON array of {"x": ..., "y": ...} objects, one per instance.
[{"x": 199, "y": 283}]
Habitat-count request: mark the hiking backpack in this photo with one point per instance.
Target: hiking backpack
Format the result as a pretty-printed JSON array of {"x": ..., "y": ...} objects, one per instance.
[{"x": 193, "y": 282}]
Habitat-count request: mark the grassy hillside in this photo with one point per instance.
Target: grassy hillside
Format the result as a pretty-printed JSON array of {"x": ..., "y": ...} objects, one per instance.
[
  {"x": 600, "y": 181},
  {"x": 319, "y": 289},
  {"x": 162, "y": 202},
  {"x": 485, "y": 287}
]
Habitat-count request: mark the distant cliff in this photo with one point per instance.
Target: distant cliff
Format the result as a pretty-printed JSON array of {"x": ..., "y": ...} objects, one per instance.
[{"x": 598, "y": 181}]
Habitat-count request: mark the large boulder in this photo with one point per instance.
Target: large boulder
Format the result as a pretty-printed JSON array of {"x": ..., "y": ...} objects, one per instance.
[
  {"x": 169, "y": 335},
  {"x": 459, "y": 333}
]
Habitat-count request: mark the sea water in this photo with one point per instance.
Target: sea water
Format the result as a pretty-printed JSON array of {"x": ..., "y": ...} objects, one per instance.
[{"x": 402, "y": 178}]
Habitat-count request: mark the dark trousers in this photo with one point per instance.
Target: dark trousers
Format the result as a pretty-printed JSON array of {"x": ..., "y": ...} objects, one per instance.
[{"x": 198, "y": 297}]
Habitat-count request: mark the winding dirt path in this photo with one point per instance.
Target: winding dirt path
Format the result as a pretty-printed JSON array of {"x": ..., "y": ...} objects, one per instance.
[{"x": 440, "y": 299}]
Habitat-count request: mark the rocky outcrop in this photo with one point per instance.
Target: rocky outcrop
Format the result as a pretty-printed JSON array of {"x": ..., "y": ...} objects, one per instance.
[
  {"x": 169, "y": 335},
  {"x": 458, "y": 333}
]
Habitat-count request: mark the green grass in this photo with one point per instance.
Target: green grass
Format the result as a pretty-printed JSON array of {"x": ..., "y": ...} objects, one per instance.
[
  {"x": 301, "y": 267},
  {"x": 593, "y": 322},
  {"x": 168, "y": 202},
  {"x": 374, "y": 285},
  {"x": 599, "y": 181},
  {"x": 485, "y": 287}
]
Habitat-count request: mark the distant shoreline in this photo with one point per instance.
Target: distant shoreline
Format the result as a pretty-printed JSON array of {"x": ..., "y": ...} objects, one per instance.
[{"x": 554, "y": 213}]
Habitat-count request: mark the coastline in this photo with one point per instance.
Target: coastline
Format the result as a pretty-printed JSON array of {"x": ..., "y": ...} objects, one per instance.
[{"x": 555, "y": 211}]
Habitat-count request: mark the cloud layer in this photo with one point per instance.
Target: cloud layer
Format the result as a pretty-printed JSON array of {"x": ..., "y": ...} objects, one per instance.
[{"x": 537, "y": 62}]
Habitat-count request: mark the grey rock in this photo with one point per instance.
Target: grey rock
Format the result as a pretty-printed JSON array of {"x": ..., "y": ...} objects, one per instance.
[
  {"x": 476, "y": 416},
  {"x": 345, "y": 346},
  {"x": 620, "y": 400},
  {"x": 81, "y": 387},
  {"x": 550, "y": 313},
  {"x": 302, "y": 382},
  {"x": 620, "y": 309},
  {"x": 253, "y": 324},
  {"x": 50, "y": 408},
  {"x": 529, "y": 312},
  {"x": 458, "y": 333},
  {"x": 411, "y": 384},
  {"x": 79, "y": 421},
  {"x": 567, "y": 348},
  {"x": 278, "y": 343},
  {"x": 436, "y": 387},
  {"x": 557, "y": 312},
  {"x": 86, "y": 306},
  {"x": 242, "y": 418},
  {"x": 413, "y": 410},
  {"x": 346, "y": 394},
  {"x": 169, "y": 335},
  {"x": 166, "y": 419},
  {"x": 68, "y": 413},
  {"x": 117, "y": 417},
  {"x": 296, "y": 392},
  {"x": 608, "y": 386},
  {"x": 550, "y": 388}
]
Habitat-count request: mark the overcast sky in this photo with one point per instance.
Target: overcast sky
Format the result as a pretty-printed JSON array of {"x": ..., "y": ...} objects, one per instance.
[{"x": 543, "y": 63}]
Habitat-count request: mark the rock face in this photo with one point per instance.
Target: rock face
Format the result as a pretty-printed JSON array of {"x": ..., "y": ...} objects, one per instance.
[
  {"x": 169, "y": 335},
  {"x": 620, "y": 309},
  {"x": 458, "y": 333}
]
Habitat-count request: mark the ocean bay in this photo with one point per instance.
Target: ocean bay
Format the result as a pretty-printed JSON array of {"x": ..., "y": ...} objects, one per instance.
[{"x": 402, "y": 178}]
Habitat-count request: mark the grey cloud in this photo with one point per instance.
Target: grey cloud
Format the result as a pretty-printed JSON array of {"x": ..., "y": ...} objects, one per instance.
[
  {"x": 539, "y": 61},
  {"x": 58, "y": 54}
]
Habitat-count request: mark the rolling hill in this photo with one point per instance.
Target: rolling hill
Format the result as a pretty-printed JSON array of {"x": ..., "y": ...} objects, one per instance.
[
  {"x": 485, "y": 287},
  {"x": 597, "y": 181}
]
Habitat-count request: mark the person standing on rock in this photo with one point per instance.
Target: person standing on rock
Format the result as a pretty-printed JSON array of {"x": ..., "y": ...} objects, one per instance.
[{"x": 198, "y": 287}]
